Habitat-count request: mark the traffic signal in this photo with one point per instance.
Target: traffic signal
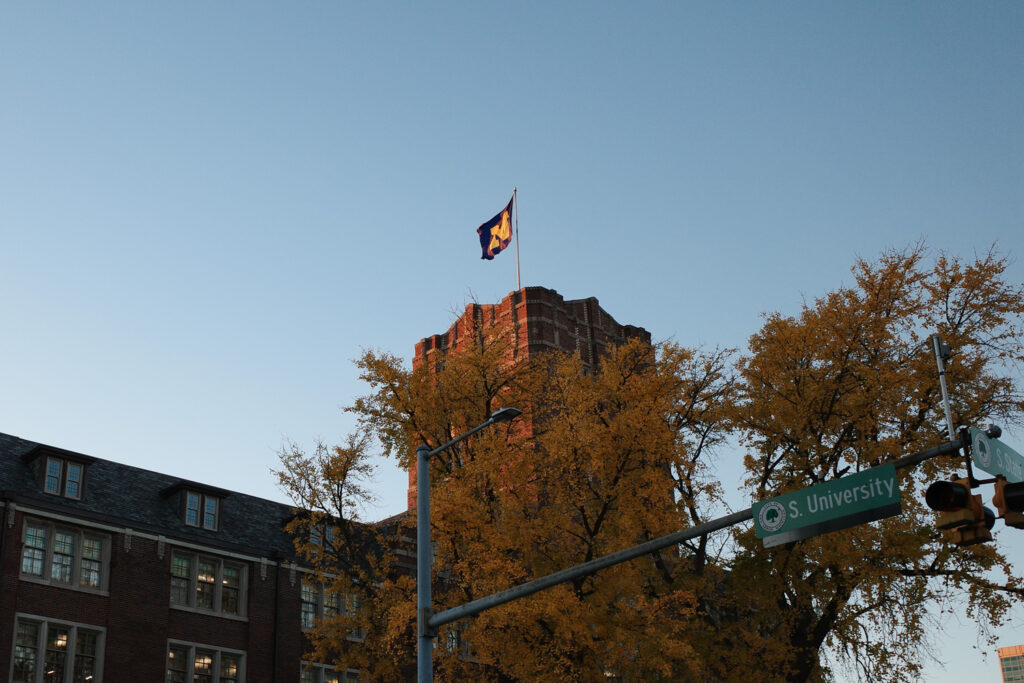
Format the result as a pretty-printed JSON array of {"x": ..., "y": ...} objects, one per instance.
[
  {"x": 962, "y": 517},
  {"x": 1009, "y": 500},
  {"x": 952, "y": 499}
]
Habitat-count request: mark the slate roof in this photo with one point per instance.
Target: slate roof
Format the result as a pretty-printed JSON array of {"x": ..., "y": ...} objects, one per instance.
[{"x": 125, "y": 496}]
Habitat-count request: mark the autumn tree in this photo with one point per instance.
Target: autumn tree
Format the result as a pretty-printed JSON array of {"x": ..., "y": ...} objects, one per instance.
[
  {"x": 847, "y": 384},
  {"x": 365, "y": 621},
  {"x": 599, "y": 461},
  {"x": 606, "y": 457}
]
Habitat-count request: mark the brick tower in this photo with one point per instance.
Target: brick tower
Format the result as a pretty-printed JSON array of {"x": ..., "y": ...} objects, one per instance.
[{"x": 537, "y": 319}]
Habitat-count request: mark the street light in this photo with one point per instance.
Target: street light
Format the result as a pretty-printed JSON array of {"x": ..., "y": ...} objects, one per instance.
[{"x": 424, "y": 551}]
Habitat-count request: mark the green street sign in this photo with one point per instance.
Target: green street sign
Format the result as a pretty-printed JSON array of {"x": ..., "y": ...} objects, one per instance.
[
  {"x": 995, "y": 457},
  {"x": 832, "y": 505}
]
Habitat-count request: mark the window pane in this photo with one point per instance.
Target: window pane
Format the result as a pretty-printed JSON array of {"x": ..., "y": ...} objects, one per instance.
[
  {"x": 210, "y": 513},
  {"x": 180, "y": 590},
  {"x": 352, "y": 604},
  {"x": 26, "y": 650},
  {"x": 192, "y": 509},
  {"x": 177, "y": 661},
  {"x": 91, "y": 567},
  {"x": 63, "y": 556},
  {"x": 229, "y": 589},
  {"x": 228, "y": 668},
  {"x": 231, "y": 576},
  {"x": 309, "y": 611},
  {"x": 72, "y": 487},
  {"x": 330, "y": 604},
  {"x": 34, "y": 553},
  {"x": 53, "y": 468},
  {"x": 203, "y": 671},
  {"x": 56, "y": 654},
  {"x": 181, "y": 584},
  {"x": 85, "y": 657},
  {"x": 181, "y": 566},
  {"x": 206, "y": 583}
]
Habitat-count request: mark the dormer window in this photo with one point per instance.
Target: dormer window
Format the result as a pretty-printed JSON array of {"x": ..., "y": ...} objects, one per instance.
[
  {"x": 198, "y": 505},
  {"x": 59, "y": 472},
  {"x": 202, "y": 510},
  {"x": 63, "y": 478}
]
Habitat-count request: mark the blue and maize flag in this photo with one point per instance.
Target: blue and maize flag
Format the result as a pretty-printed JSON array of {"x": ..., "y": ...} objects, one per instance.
[{"x": 496, "y": 233}]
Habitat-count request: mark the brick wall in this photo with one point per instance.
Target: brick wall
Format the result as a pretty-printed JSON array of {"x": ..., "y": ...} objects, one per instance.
[
  {"x": 137, "y": 615},
  {"x": 536, "y": 319}
]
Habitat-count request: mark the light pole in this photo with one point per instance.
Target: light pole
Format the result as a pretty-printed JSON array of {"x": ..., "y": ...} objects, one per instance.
[
  {"x": 943, "y": 353},
  {"x": 424, "y": 552}
]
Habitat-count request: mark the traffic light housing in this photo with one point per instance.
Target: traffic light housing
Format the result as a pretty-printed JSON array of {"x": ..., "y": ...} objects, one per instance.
[
  {"x": 952, "y": 499},
  {"x": 962, "y": 517},
  {"x": 1009, "y": 500}
]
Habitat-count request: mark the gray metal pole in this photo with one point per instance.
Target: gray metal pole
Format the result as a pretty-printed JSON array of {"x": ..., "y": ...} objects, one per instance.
[
  {"x": 425, "y": 633},
  {"x": 424, "y": 553},
  {"x": 529, "y": 588},
  {"x": 941, "y": 352}
]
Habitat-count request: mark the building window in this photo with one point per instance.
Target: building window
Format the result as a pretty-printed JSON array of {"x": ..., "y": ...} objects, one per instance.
[
  {"x": 317, "y": 603},
  {"x": 317, "y": 534},
  {"x": 310, "y": 606},
  {"x": 455, "y": 642},
  {"x": 207, "y": 583},
  {"x": 56, "y": 652},
  {"x": 321, "y": 673},
  {"x": 193, "y": 663},
  {"x": 64, "y": 556},
  {"x": 63, "y": 478},
  {"x": 202, "y": 510}
]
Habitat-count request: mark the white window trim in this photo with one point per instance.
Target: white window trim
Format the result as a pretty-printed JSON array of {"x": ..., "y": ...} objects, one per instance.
[
  {"x": 243, "y": 585},
  {"x": 76, "y": 568},
  {"x": 45, "y": 623},
  {"x": 190, "y": 660},
  {"x": 201, "y": 512}
]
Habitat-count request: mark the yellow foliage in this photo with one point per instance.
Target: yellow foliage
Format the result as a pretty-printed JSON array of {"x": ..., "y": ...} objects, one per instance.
[
  {"x": 604, "y": 460},
  {"x": 850, "y": 383}
]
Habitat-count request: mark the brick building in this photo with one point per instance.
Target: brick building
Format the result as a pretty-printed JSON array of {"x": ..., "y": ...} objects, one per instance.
[
  {"x": 536, "y": 319},
  {"x": 116, "y": 574}
]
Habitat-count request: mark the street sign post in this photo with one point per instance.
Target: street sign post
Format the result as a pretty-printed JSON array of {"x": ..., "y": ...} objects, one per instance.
[
  {"x": 832, "y": 505},
  {"x": 995, "y": 457}
]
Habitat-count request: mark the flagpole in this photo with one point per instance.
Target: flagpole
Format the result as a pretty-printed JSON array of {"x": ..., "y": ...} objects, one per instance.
[{"x": 515, "y": 206}]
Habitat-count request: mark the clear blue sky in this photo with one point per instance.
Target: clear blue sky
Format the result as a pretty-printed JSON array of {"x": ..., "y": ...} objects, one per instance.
[{"x": 208, "y": 209}]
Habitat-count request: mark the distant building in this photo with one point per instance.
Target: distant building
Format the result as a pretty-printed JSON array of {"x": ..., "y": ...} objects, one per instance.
[
  {"x": 535, "y": 320},
  {"x": 1011, "y": 663},
  {"x": 115, "y": 574}
]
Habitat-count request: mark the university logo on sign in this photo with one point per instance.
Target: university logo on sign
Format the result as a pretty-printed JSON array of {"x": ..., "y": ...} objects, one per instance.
[
  {"x": 995, "y": 457},
  {"x": 772, "y": 516}
]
